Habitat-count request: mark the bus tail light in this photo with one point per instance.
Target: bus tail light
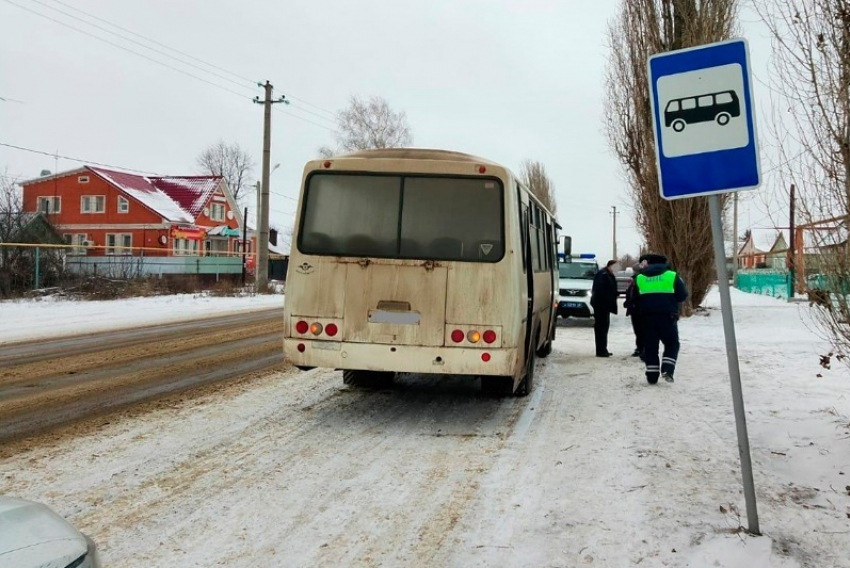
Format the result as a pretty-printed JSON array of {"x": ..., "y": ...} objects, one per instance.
[
  {"x": 301, "y": 348},
  {"x": 489, "y": 336},
  {"x": 316, "y": 329},
  {"x": 331, "y": 329},
  {"x": 473, "y": 336},
  {"x": 302, "y": 327},
  {"x": 457, "y": 336},
  {"x": 485, "y": 357}
]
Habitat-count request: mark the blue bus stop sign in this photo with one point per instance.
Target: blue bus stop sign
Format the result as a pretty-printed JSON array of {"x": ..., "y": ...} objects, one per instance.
[{"x": 702, "y": 110}]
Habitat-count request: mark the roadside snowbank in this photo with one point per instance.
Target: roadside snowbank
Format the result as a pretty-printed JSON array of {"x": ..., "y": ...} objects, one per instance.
[{"x": 48, "y": 318}]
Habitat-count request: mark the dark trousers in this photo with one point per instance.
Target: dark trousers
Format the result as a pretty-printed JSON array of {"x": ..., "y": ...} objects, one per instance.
[
  {"x": 637, "y": 328},
  {"x": 601, "y": 323},
  {"x": 662, "y": 328}
]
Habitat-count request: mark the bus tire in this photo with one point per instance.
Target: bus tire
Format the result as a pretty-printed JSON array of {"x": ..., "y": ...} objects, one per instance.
[
  {"x": 546, "y": 350},
  {"x": 528, "y": 382},
  {"x": 679, "y": 125},
  {"x": 367, "y": 379}
]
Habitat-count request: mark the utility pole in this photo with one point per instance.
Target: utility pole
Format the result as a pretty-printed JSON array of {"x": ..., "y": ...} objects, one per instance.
[
  {"x": 735, "y": 240},
  {"x": 262, "y": 263},
  {"x": 244, "y": 242},
  {"x": 258, "y": 208},
  {"x": 792, "y": 248},
  {"x": 614, "y": 213}
]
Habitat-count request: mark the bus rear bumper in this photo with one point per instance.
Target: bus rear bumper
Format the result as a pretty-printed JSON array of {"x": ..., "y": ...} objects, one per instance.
[{"x": 401, "y": 358}]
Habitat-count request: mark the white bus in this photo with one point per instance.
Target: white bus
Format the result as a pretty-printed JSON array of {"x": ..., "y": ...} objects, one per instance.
[{"x": 420, "y": 261}]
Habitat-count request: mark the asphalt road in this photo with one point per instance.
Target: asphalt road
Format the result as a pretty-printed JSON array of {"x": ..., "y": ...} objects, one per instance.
[{"x": 44, "y": 384}]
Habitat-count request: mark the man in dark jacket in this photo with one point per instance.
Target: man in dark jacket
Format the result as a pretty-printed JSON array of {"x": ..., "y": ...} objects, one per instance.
[
  {"x": 631, "y": 305},
  {"x": 660, "y": 291},
  {"x": 603, "y": 299}
]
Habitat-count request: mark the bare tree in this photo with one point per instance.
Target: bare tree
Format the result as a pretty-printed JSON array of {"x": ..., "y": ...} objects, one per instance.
[
  {"x": 367, "y": 124},
  {"x": 232, "y": 163},
  {"x": 679, "y": 229},
  {"x": 17, "y": 263},
  {"x": 533, "y": 175},
  {"x": 811, "y": 88},
  {"x": 11, "y": 222}
]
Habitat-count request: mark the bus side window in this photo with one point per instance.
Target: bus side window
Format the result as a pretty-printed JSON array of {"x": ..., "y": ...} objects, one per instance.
[
  {"x": 523, "y": 230},
  {"x": 535, "y": 246}
]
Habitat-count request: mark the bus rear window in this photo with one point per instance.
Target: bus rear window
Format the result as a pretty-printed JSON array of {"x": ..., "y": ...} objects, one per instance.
[{"x": 415, "y": 217}]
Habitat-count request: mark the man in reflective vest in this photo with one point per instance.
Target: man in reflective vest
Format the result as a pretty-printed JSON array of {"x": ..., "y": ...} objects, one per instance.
[{"x": 660, "y": 291}]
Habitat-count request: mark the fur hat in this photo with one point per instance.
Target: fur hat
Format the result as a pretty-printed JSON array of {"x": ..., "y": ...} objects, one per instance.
[{"x": 653, "y": 258}]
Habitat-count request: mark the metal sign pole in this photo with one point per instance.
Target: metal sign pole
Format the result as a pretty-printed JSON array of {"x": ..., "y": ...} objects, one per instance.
[{"x": 734, "y": 370}]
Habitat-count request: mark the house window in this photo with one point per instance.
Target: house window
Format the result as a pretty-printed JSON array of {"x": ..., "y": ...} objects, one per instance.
[
  {"x": 83, "y": 179},
  {"x": 217, "y": 212},
  {"x": 119, "y": 243},
  {"x": 78, "y": 240},
  {"x": 123, "y": 205},
  {"x": 186, "y": 247},
  {"x": 93, "y": 204},
  {"x": 216, "y": 247},
  {"x": 50, "y": 205}
]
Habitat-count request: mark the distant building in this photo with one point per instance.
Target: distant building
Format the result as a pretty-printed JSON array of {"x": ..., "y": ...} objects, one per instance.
[{"x": 110, "y": 213}]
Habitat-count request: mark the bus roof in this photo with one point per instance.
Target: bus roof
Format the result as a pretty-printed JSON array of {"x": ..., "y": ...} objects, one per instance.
[{"x": 417, "y": 154}]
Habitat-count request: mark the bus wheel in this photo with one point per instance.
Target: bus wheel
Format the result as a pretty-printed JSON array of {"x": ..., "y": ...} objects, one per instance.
[
  {"x": 528, "y": 382},
  {"x": 679, "y": 125},
  {"x": 368, "y": 379},
  {"x": 546, "y": 350},
  {"x": 722, "y": 119}
]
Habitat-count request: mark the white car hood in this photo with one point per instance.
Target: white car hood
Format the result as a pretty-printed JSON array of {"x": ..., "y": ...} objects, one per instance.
[
  {"x": 575, "y": 284},
  {"x": 31, "y": 535}
]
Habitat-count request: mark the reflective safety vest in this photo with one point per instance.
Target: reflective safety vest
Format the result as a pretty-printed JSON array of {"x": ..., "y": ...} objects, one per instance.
[{"x": 664, "y": 283}]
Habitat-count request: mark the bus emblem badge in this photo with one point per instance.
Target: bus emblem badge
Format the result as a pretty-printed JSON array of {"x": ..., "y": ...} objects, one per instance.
[
  {"x": 304, "y": 268},
  {"x": 486, "y": 248}
]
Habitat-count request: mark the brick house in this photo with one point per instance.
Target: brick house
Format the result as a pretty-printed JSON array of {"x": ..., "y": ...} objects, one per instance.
[{"x": 110, "y": 213}]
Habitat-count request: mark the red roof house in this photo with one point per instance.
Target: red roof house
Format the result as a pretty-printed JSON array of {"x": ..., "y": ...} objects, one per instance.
[{"x": 107, "y": 212}]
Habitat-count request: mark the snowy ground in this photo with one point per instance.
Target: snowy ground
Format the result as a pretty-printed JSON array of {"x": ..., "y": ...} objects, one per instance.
[
  {"x": 596, "y": 468},
  {"x": 49, "y": 318}
]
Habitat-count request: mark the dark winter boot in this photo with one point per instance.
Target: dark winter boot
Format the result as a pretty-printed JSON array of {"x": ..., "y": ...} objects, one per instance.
[{"x": 652, "y": 378}]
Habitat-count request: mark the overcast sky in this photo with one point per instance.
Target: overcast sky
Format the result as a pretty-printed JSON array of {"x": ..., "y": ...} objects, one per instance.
[{"x": 505, "y": 80}]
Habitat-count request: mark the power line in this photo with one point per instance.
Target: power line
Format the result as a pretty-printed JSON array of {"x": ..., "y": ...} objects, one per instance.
[
  {"x": 158, "y": 62},
  {"x": 55, "y": 155},
  {"x": 119, "y": 46},
  {"x": 296, "y": 116},
  {"x": 153, "y": 41},
  {"x": 282, "y": 195},
  {"x": 183, "y": 53},
  {"x": 39, "y": 2}
]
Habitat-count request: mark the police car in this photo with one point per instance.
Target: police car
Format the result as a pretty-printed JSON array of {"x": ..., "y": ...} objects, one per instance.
[{"x": 575, "y": 275}]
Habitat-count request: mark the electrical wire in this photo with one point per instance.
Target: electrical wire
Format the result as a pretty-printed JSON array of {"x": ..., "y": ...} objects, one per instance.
[
  {"x": 125, "y": 38},
  {"x": 184, "y": 72},
  {"x": 158, "y": 62},
  {"x": 153, "y": 41},
  {"x": 55, "y": 155}
]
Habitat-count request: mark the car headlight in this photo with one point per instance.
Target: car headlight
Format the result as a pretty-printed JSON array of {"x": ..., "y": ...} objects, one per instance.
[{"x": 91, "y": 559}]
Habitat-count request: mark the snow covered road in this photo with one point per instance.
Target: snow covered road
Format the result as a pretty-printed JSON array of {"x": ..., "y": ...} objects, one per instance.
[
  {"x": 50, "y": 382},
  {"x": 594, "y": 469}
]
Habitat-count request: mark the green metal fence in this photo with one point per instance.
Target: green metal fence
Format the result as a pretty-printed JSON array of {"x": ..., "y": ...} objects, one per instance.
[
  {"x": 767, "y": 282},
  {"x": 777, "y": 283}
]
